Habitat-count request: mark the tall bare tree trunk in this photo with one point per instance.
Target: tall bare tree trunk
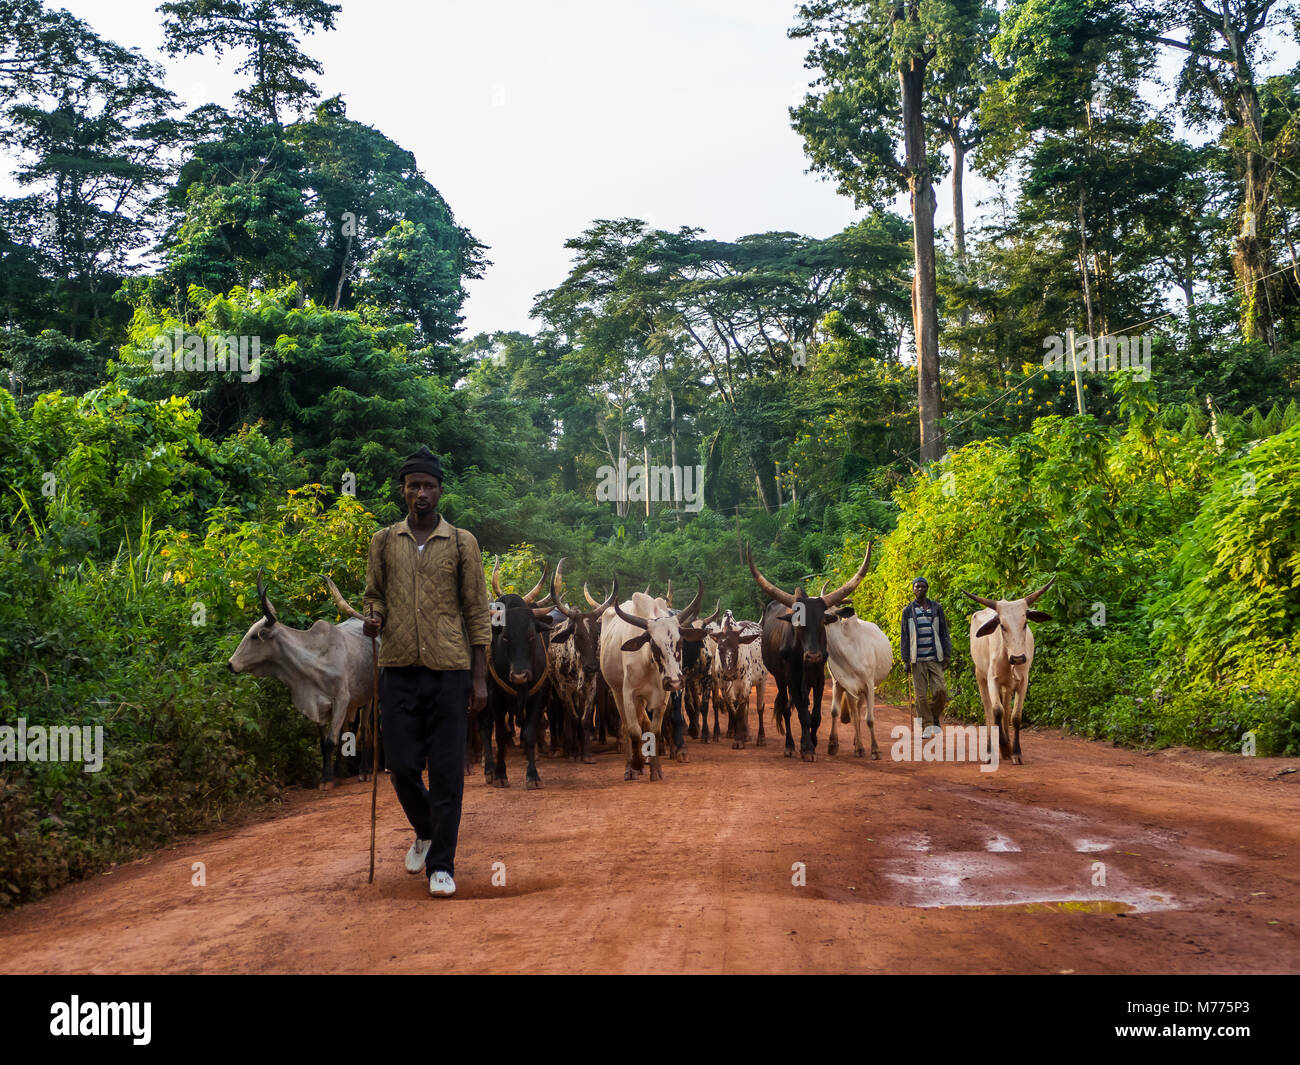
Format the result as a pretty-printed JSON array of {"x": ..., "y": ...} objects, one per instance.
[
  {"x": 925, "y": 309},
  {"x": 959, "y": 212}
]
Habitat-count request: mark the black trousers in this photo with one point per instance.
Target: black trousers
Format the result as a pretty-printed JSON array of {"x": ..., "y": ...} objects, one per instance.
[{"x": 425, "y": 718}]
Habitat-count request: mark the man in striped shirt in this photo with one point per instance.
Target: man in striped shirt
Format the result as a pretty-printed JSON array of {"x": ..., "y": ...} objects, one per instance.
[{"x": 925, "y": 647}]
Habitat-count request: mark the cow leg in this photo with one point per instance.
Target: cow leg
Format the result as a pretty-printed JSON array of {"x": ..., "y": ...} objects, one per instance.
[
  {"x": 693, "y": 716},
  {"x": 837, "y": 700},
  {"x": 485, "y": 719},
  {"x": 993, "y": 714},
  {"x": 760, "y": 698},
  {"x": 815, "y": 718},
  {"x": 588, "y": 723},
  {"x": 326, "y": 758},
  {"x": 678, "y": 725},
  {"x": 628, "y": 711},
  {"x": 533, "y": 730},
  {"x": 871, "y": 723},
  {"x": 1017, "y": 701}
]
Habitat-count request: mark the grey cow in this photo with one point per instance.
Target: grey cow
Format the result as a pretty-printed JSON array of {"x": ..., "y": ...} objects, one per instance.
[{"x": 327, "y": 668}]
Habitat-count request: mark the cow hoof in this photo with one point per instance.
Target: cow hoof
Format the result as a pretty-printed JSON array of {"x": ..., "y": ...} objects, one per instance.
[
  {"x": 875, "y": 755},
  {"x": 326, "y": 785},
  {"x": 704, "y": 737},
  {"x": 631, "y": 774},
  {"x": 501, "y": 782},
  {"x": 834, "y": 747},
  {"x": 588, "y": 760},
  {"x": 789, "y": 752},
  {"x": 1015, "y": 760},
  {"x": 656, "y": 773},
  {"x": 693, "y": 732},
  {"x": 808, "y": 756},
  {"x": 760, "y": 742},
  {"x": 681, "y": 756},
  {"x": 532, "y": 785},
  {"x": 738, "y": 746}
]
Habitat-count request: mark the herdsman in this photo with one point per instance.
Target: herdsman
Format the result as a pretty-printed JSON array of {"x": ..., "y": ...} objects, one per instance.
[
  {"x": 925, "y": 647},
  {"x": 424, "y": 582}
]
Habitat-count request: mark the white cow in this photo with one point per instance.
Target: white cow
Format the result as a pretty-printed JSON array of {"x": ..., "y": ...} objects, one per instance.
[
  {"x": 328, "y": 669},
  {"x": 1002, "y": 648},
  {"x": 641, "y": 661},
  {"x": 860, "y": 656},
  {"x": 737, "y": 668}
]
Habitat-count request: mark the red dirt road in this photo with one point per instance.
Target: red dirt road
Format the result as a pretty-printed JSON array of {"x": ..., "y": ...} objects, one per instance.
[{"x": 910, "y": 868}]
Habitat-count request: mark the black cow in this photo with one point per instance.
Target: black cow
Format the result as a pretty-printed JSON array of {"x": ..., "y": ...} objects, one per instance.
[
  {"x": 519, "y": 673},
  {"x": 794, "y": 651}
]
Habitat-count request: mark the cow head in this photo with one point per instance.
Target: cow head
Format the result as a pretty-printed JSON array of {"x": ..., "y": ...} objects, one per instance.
[
  {"x": 1013, "y": 618},
  {"x": 664, "y": 636},
  {"x": 259, "y": 650},
  {"x": 807, "y": 616},
  {"x": 727, "y": 640},
  {"x": 582, "y": 626}
]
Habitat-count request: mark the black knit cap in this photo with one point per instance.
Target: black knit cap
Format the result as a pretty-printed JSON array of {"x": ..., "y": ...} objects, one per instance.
[
  {"x": 422, "y": 461},
  {"x": 920, "y": 580}
]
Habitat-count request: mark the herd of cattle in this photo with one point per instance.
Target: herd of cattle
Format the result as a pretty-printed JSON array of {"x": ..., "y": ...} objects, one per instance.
[{"x": 640, "y": 669}]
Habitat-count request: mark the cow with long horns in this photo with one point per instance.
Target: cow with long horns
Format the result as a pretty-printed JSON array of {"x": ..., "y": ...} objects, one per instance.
[
  {"x": 794, "y": 651},
  {"x": 518, "y": 665},
  {"x": 1002, "y": 648},
  {"x": 326, "y": 668},
  {"x": 641, "y": 659},
  {"x": 574, "y": 649}
]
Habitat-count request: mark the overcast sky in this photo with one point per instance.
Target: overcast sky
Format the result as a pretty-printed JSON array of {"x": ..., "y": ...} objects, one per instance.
[{"x": 535, "y": 117}]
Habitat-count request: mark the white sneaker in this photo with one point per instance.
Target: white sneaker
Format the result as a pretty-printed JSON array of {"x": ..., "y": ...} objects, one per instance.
[
  {"x": 415, "y": 856},
  {"x": 441, "y": 883}
]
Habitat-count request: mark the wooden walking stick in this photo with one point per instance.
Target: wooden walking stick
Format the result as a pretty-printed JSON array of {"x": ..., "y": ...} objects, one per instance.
[{"x": 374, "y": 744}]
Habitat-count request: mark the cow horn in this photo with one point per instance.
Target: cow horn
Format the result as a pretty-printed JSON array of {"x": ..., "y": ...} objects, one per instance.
[
  {"x": 844, "y": 591},
  {"x": 590, "y": 601},
  {"x": 599, "y": 608},
  {"x": 693, "y": 607},
  {"x": 631, "y": 619},
  {"x": 1029, "y": 599},
  {"x": 564, "y": 607},
  {"x": 980, "y": 599},
  {"x": 496, "y": 569},
  {"x": 669, "y": 597},
  {"x": 267, "y": 609},
  {"x": 542, "y": 611},
  {"x": 822, "y": 593},
  {"x": 345, "y": 608},
  {"x": 531, "y": 597},
  {"x": 717, "y": 609},
  {"x": 771, "y": 589}
]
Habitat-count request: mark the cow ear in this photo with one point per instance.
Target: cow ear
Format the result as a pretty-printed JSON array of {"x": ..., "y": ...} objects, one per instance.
[
  {"x": 750, "y": 637},
  {"x": 783, "y": 617},
  {"x": 693, "y": 635},
  {"x": 1038, "y": 615},
  {"x": 636, "y": 642},
  {"x": 847, "y": 611},
  {"x": 562, "y": 633},
  {"x": 988, "y": 626},
  {"x": 830, "y": 617}
]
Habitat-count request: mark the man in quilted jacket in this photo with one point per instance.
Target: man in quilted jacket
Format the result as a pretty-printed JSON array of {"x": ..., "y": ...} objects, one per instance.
[{"x": 425, "y": 587}]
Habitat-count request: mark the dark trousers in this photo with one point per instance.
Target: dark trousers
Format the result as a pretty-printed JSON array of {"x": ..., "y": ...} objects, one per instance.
[{"x": 425, "y": 717}]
